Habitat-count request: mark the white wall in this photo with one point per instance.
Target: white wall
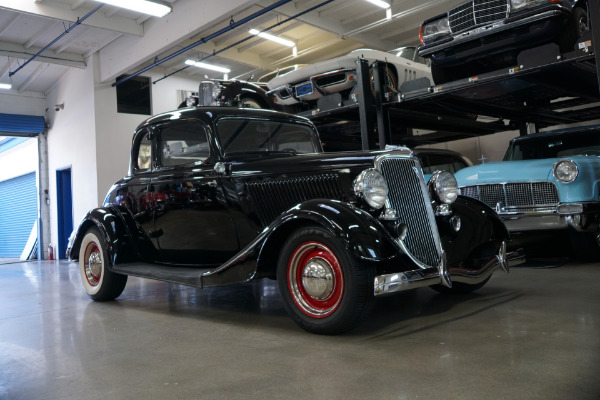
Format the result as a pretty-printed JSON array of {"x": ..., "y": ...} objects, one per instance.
[
  {"x": 114, "y": 130},
  {"x": 22, "y": 104},
  {"x": 72, "y": 142},
  {"x": 19, "y": 160}
]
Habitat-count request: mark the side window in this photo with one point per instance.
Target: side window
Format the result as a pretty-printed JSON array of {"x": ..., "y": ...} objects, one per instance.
[
  {"x": 143, "y": 160},
  {"x": 182, "y": 144}
]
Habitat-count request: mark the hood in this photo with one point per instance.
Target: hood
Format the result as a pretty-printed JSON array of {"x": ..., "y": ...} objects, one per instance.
[
  {"x": 506, "y": 171},
  {"x": 585, "y": 188}
]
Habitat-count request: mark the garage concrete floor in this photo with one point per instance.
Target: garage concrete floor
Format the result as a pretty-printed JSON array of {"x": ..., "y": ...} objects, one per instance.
[{"x": 533, "y": 334}]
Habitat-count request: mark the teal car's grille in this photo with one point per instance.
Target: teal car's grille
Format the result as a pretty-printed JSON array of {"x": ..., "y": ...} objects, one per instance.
[{"x": 528, "y": 196}]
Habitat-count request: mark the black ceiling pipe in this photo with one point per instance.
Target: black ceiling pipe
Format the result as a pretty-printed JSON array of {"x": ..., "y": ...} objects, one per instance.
[
  {"x": 79, "y": 21},
  {"x": 246, "y": 39},
  {"x": 203, "y": 40}
]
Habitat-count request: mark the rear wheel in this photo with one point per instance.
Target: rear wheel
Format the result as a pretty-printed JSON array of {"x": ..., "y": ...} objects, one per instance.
[
  {"x": 324, "y": 290},
  {"x": 99, "y": 282}
]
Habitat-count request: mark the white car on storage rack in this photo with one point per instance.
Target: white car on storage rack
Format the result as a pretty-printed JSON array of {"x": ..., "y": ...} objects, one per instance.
[{"x": 338, "y": 75}]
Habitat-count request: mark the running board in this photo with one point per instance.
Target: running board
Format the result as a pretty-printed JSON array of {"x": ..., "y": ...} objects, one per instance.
[{"x": 190, "y": 276}]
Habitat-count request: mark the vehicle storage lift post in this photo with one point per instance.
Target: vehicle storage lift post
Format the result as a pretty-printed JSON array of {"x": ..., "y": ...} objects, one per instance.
[
  {"x": 365, "y": 104},
  {"x": 593, "y": 21}
]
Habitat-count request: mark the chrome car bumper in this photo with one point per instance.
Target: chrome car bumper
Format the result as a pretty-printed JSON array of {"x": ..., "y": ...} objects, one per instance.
[
  {"x": 580, "y": 216},
  {"x": 397, "y": 282}
]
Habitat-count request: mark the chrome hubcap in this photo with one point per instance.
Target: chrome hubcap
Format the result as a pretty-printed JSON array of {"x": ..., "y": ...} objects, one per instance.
[
  {"x": 93, "y": 267},
  {"x": 317, "y": 279}
]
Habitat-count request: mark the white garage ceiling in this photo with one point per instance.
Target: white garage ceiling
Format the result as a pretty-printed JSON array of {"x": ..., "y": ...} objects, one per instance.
[{"x": 129, "y": 41}]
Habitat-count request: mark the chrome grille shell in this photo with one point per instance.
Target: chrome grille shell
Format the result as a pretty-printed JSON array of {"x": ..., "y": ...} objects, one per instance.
[
  {"x": 515, "y": 197},
  {"x": 409, "y": 196},
  {"x": 477, "y": 12}
]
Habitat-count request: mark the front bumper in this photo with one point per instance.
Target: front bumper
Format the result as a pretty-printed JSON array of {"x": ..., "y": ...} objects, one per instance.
[
  {"x": 400, "y": 281},
  {"x": 493, "y": 37},
  {"x": 581, "y": 217}
]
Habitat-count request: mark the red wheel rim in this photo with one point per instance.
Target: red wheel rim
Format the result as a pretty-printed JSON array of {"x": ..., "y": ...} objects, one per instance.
[
  {"x": 315, "y": 279},
  {"x": 93, "y": 264}
]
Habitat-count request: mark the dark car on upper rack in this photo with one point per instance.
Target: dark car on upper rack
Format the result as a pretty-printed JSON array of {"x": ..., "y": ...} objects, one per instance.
[
  {"x": 222, "y": 195},
  {"x": 480, "y": 36},
  {"x": 233, "y": 93}
]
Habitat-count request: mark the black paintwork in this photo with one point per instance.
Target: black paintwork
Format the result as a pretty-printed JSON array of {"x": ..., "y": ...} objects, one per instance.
[{"x": 229, "y": 226}]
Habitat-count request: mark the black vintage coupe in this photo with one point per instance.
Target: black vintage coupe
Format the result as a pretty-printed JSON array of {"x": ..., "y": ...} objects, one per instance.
[{"x": 221, "y": 195}]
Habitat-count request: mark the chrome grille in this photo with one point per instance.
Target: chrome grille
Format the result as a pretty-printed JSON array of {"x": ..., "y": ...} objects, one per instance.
[
  {"x": 529, "y": 196},
  {"x": 408, "y": 195},
  {"x": 477, "y": 12},
  {"x": 272, "y": 197}
]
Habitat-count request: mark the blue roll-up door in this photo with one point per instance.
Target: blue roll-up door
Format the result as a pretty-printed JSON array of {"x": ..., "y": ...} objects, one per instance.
[
  {"x": 18, "y": 213},
  {"x": 21, "y": 125}
]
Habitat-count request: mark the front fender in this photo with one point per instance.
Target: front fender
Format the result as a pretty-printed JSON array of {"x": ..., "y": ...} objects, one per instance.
[
  {"x": 111, "y": 222},
  {"x": 362, "y": 234},
  {"x": 480, "y": 235}
]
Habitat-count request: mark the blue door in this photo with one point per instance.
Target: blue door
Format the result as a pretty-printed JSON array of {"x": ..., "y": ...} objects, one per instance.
[
  {"x": 65, "y": 210},
  {"x": 18, "y": 213}
]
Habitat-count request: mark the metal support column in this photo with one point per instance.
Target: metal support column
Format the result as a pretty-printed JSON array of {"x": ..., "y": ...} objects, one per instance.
[
  {"x": 383, "y": 128},
  {"x": 594, "y": 22},
  {"x": 365, "y": 104}
]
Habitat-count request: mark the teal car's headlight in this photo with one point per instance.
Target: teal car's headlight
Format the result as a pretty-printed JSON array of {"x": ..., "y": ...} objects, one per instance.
[
  {"x": 434, "y": 29},
  {"x": 565, "y": 171},
  {"x": 372, "y": 187},
  {"x": 443, "y": 187}
]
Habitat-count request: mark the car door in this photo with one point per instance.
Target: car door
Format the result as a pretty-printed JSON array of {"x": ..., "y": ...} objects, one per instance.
[
  {"x": 191, "y": 220},
  {"x": 134, "y": 193}
]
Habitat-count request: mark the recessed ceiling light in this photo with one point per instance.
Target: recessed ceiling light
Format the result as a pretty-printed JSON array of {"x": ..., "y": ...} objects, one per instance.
[
  {"x": 380, "y": 3},
  {"x": 5, "y": 86},
  {"x": 142, "y": 6},
  {"x": 207, "y": 66},
  {"x": 272, "y": 38}
]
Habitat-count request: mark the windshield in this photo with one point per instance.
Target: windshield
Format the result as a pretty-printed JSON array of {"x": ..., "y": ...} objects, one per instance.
[
  {"x": 555, "y": 146},
  {"x": 274, "y": 138}
]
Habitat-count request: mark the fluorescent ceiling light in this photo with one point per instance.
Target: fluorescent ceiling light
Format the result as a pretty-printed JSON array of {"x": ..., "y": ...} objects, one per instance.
[
  {"x": 207, "y": 66},
  {"x": 5, "y": 86},
  {"x": 142, "y": 6},
  {"x": 380, "y": 3},
  {"x": 272, "y": 38}
]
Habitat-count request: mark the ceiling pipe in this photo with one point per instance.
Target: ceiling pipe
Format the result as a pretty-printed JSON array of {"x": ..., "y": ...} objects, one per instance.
[
  {"x": 247, "y": 38},
  {"x": 78, "y": 22},
  {"x": 203, "y": 40}
]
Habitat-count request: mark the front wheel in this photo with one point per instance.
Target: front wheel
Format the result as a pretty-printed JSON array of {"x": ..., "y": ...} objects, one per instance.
[
  {"x": 99, "y": 282},
  {"x": 323, "y": 288}
]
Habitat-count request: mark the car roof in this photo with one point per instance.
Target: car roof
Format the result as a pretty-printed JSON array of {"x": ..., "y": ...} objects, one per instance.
[
  {"x": 211, "y": 114},
  {"x": 589, "y": 128}
]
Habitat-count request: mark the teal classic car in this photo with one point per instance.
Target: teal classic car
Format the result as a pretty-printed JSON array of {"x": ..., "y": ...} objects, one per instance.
[{"x": 547, "y": 181}]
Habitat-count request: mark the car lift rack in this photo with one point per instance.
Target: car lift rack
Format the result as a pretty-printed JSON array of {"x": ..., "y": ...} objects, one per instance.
[{"x": 546, "y": 88}]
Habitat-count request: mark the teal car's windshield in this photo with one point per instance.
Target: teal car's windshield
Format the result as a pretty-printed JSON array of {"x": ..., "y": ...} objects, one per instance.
[{"x": 555, "y": 146}]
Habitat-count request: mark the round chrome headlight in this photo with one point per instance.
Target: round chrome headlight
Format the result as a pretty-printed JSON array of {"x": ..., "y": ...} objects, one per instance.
[
  {"x": 443, "y": 187},
  {"x": 565, "y": 171},
  {"x": 191, "y": 101},
  {"x": 372, "y": 187}
]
